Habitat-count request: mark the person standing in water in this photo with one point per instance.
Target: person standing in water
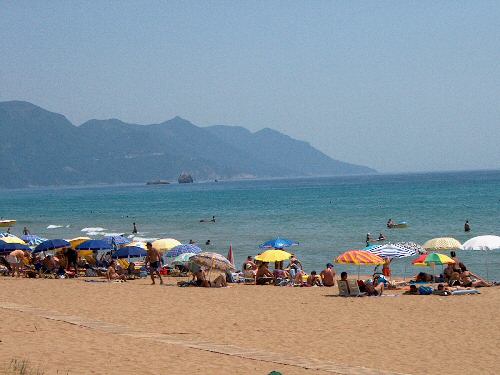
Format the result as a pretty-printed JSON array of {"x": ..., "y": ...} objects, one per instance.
[
  {"x": 466, "y": 226},
  {"x": 134, "y": 230}
]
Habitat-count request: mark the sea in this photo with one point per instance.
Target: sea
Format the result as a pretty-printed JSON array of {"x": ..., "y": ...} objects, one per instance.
[{"x": 326, "y": 216}]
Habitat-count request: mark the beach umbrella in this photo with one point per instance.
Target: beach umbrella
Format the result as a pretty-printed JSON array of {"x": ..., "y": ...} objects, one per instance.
[
  {"x": 213, "y": 261},
  {"x": 13, "y": 239},
  {"x": 94, "y": 245},
  {"x": 129, "y": 252},
  {"x": 278, "y": 243},
  {"x": 6, "y": 234},
  {"x": 482, "y": 243},
  {"x": 182, "y": 259},
  {"x": 165, "y": 244},
  {"x": 432, "y": 259},
  {"x": 181, "y": 249},
  {"x": 116, "y": 240},
  {"x": 7, "y": 248},
  {"x": 270, "y": 256},
  {"x": 359, "y": 258},
  {"x": 391, "y": 251},
  {"x": 32, "y": 240},
  {"x": 77, "y": 241},
  {"x": 485, "y": 243},
  {"x": 442, "y": 244},
  {"x": 51, "y": 245}
]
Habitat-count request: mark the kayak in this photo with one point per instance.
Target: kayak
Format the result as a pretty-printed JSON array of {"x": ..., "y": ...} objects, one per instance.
[{"x": 7, "y": 223}]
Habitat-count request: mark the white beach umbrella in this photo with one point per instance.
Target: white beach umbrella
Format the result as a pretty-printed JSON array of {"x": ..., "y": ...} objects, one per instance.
[
  {"x": 485, "y": 243},
  {"x": 482, "y": 243}
]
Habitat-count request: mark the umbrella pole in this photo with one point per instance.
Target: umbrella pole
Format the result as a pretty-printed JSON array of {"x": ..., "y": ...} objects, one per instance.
[{"x": 358, "y": 271}]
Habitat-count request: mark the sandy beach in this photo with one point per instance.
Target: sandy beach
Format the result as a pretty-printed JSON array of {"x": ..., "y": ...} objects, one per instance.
[{"x": 78, "y": 327}]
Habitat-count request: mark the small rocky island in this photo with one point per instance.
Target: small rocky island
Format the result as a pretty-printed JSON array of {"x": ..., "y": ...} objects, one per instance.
[{"x": 185, "y": 178}]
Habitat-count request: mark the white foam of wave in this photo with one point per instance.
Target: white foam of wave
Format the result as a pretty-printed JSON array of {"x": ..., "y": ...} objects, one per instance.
[
  {"x": 93, "y": 229},
  {"x": 111, "y": 234},
  {"x": 52, "y": 226}
]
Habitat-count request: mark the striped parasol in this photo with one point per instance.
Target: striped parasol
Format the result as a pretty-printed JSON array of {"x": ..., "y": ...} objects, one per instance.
[
  {"x": 432, "y": 259},
  {"x": 32, "y": 240},
  {"x": 181, "y": 249},
  {"x": 442, "y": 243},
  {"x": 359, "y": 258},
  {"x": 212, "y": 260},
  {"x": 392, "y": 251}
]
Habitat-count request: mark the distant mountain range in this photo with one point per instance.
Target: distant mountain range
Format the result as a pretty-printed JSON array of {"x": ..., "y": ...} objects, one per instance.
[{"x": 42, "y": 148}]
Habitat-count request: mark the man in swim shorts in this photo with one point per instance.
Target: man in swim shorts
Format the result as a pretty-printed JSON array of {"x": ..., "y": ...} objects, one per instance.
[{"x": 154, "y": 258}]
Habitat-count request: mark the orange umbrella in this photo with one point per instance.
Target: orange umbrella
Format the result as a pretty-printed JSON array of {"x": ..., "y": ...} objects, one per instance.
[{"x": 359, "y": 257}]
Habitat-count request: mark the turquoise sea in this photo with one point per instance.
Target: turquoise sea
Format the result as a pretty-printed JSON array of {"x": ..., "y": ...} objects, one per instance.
[{"x": 325, "y": 215}]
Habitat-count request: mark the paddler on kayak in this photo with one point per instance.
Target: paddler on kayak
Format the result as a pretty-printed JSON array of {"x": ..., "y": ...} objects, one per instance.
[{"x": 390, "y": 223}]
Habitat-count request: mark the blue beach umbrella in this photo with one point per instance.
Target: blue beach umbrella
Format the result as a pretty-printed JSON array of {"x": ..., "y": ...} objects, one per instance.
[
  {"x": 116, "y": 240},
  {"x": 278, "y": 243},
  {"x": 32, "y": 240},
  {"x": 94, "y": 245},
  {"x": 392, "y": 251},
  {"x": 51, "y": 245},
  {"x": 6, "y": 234},
  {"x": 181, "y": 249},
  {"x": 129, "y": 252},
  {"x": 6, "y": 248}
]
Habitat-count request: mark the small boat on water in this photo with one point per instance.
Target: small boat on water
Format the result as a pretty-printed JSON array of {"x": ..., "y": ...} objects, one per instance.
[
  {"x": 403, "y": 224},
  {"x": 7, "y": 223}
]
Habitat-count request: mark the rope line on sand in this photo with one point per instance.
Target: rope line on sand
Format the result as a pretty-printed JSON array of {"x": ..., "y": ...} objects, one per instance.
[{"x": 226, "y": 349}]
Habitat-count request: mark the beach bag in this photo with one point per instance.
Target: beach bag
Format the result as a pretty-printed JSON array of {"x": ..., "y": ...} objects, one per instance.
[{"x": 425, "y": 290}]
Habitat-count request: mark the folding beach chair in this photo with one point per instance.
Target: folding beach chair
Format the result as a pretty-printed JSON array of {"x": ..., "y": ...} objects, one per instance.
[
  {"x": 354, "y": 289},
  {"x": 343, "y": 288}
]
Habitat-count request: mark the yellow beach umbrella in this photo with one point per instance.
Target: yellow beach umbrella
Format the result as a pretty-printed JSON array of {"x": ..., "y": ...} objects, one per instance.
[
  {"x": 165, "y": 244},
  {"x": 270, "y": 256},
  {"x": 13, "y": 239},
  {"x": 442, "y": 243}
]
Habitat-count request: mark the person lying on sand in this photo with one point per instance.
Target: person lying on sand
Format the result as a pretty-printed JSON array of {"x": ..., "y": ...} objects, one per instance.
[
  {"x": 468, "y": 279},
  {"x": 111, "y": 274},
  {"x": 264, "y": 276},
  {"x": 328, "y": 275},
  {"x": 200, "y": 278}
]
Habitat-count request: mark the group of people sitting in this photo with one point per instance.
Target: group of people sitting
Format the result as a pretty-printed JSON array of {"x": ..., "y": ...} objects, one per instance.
[
  {"x": 454, "y": 275},
  {"x": 293, "y": 274}
]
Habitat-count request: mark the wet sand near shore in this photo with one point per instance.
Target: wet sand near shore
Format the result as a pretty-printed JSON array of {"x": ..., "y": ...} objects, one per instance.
[{"x": 78, "y": 327}]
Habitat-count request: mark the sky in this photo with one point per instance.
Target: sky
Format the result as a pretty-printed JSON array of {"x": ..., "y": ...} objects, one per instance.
[{"x": 399, "y": 86}]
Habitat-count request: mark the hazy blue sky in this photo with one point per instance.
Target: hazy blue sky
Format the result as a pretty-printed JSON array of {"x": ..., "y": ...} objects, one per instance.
[{"x": 395, "y": 85}]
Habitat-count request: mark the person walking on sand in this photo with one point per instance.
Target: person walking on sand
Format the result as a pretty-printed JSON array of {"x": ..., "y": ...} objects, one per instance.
[{"x": 153, "y": 258}]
